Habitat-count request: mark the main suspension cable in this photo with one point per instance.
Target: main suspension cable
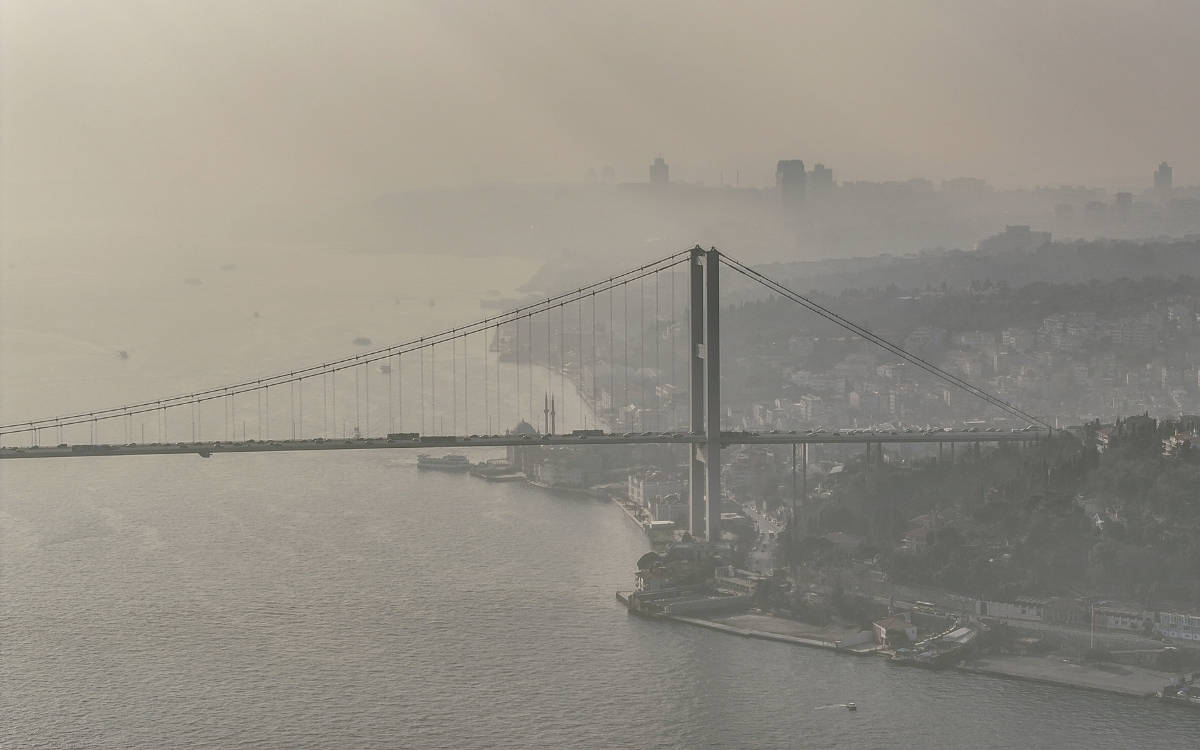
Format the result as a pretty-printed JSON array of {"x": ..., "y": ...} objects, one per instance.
[{"x": 874, "y": 338}]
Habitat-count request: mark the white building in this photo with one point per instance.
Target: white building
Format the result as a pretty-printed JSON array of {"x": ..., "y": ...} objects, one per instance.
[
  {"x": 1021, "y": 608},
  {"x": 1178, "y": 625},
  {"x": 649, "y": 486}
]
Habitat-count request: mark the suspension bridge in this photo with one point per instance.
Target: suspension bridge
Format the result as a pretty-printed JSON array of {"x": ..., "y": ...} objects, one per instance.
[{"x": 579, "y": 341}]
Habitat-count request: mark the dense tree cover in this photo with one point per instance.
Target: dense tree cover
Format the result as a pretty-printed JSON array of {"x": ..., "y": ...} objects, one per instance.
[{"x": 1058, "y": 518}]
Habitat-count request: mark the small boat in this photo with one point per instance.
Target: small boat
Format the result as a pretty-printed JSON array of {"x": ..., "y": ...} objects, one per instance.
[
  {"x": 851, "y": 707},
  {"x": 516, "y": 476}
]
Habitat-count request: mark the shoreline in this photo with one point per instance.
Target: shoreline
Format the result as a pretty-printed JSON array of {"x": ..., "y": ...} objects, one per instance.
[
  {"x": 766, "y": 635},
  {"x": 1032, "y": 669}
]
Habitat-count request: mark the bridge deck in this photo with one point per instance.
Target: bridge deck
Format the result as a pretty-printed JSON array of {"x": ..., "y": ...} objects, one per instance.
[{"x": 490, "y": 441}]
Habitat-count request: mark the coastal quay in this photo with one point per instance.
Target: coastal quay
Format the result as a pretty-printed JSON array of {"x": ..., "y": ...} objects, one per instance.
[{"x": 1124, "y": 680}]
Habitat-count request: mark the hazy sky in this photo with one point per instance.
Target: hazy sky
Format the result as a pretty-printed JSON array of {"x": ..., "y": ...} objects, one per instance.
[{"x": 121, "y": 105}]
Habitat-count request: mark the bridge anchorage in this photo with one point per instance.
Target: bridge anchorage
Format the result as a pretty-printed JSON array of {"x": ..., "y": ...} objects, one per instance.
[{"x": 495, "y": 385}]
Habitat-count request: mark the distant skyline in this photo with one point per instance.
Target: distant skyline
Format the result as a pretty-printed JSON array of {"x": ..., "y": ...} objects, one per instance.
[{"x": 205, "y": 108}]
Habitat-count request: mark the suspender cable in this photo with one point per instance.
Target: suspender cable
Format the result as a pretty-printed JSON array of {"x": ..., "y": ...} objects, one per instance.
[
  {"x": 292, "y": 408},
  {"x": 674, "y": 383},
  {"x": 357, "y": 401},
  {"x": 642, "y": 348},
  {"x": 562, "y": 360},
  {"x": 499, "y": 398},
  {"x": 625, "y": 343},
  {"x": 612, "y": 359},
  {"x": 466, "y": 385},
  {"x": 594, "y": 368},
  {"x": 518, "y": 370},
  {"x": 433, "y": 386},
  {"x": 366, "y": 368},
  {"x": 422, "y": 430},
  {"x": 657, "y": 359},
  {"x": 325, "y": 404},
  {"x": 487, "y": 414},
  {"x": 267, "y": 410},
  {"x": 529, "y": 378},
  {"x": 579, "y": 387},
  {"x": 400, "y": 387},
  {"x": 454, "y": 386},
  {"x": 391, "y": 422}
]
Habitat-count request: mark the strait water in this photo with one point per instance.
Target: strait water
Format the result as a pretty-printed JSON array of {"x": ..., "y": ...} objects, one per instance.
[{"x": 348, "y": 600}]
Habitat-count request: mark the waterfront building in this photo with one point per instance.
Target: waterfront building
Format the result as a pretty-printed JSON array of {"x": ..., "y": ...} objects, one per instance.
[
  {"x": 650, "y": 485},
  {"x": 567, "y": 467},
  {"x": 1179, "y": 625}
]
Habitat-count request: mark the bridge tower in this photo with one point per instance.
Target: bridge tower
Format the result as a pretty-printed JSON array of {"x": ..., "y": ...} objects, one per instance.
[{"x": 705, "y": 394}]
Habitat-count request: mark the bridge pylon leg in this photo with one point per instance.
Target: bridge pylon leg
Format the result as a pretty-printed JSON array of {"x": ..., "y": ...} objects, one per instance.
[
  {"x": 712, "y": 388},
  {"x": 696, "y": 486}
]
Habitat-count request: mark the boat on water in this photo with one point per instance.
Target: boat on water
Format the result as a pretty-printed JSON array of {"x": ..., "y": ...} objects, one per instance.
[
  {"x": 448, "y": 462},
  {"x": 1185, "y": 693},
  {"x": 515, "y": 476}
]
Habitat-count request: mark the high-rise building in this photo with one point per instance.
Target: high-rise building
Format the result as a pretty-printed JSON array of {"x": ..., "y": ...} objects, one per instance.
[
  {"x": 659, "y": 172},
  {"x": 791, "y": 180},
  {"x": 1162, "y": 177},
  {"x": 821, "y": 179}
]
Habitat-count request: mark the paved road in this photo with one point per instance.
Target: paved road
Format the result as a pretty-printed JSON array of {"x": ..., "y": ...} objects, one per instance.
[{"x": 449, "y": 441}]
